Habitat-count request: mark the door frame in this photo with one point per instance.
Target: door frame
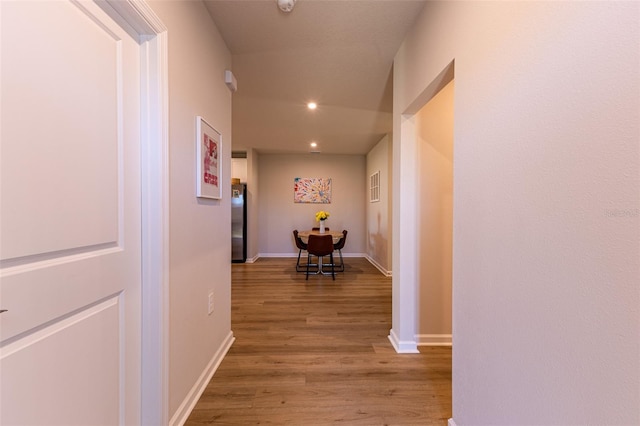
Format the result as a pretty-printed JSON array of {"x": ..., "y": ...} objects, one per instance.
[
  {"x": 143, "y": 24},
  {"x": 405, "y": 281}
]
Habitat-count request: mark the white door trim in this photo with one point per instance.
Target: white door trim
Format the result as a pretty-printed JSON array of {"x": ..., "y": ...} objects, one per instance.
[{"x": 155, "y": 202}]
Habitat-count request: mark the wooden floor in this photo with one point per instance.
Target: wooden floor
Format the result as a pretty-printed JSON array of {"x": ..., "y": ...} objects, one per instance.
[{"x": 316, "y": 353}]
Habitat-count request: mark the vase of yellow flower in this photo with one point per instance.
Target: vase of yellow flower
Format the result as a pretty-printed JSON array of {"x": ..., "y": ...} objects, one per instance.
[{"x": 321, "y": 217}]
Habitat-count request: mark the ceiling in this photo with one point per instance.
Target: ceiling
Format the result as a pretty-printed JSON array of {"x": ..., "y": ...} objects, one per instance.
[{"x": 338, "y": 53}]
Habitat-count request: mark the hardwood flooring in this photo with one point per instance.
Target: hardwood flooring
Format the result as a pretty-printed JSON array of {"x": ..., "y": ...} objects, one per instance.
[{"x": 317, "y": 353}]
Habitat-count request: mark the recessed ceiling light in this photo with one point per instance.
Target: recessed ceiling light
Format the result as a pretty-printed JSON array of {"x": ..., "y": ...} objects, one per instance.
[
  {"x": 313, "y": 144},
  {"x": 312, "y": 105}
]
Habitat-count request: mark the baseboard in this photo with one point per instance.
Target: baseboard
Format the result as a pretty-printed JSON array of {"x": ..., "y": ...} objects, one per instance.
[
  {"x": 183, "y": 411},
  {"x": 295, "y": 255},
  {"x": 402, "y": 347},
  {"x": 252, "y": 259},
  {"x": 351, "y": 255},
  {"x": 378, "y": 266},
  {"x": 434, "y": 339},
  {"x": 278, "y": 254},
  {"x": 451, "y": 423}
]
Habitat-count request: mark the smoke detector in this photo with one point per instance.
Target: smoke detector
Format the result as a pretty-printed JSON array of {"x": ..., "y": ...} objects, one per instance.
[{"x": 286, "y": 5}]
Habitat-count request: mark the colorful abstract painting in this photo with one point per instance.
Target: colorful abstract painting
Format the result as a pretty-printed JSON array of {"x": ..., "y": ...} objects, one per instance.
[{"x": 312, "y": 190}]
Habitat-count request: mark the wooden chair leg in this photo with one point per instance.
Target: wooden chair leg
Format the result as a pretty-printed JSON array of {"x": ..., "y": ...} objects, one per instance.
[{"x": 308, "y": 261}]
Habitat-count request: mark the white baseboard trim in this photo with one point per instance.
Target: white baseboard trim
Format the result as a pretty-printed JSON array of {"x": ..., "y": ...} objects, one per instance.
[
  {"x": 295, "y": 255},
  {"x": 378, "y": 266},
  {"x": 253, "y": 259},
  {"x": 351, "y": 255},
  {"x": 278, "y": 255},
  {"x": 434, "y": 339},
  {"x": 183, "y": 411},
  {"x": 451, "y": 423},
  {"x": 402, "y": 347}
]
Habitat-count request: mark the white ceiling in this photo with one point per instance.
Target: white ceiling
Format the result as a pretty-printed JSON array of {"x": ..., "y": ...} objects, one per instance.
[{"x": 338, "y": 53}]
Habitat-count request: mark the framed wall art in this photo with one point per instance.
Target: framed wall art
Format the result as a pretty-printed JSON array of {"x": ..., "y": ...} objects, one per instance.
[
  {"x": 209, "y": 153},
  {"x": 312, "y": 190}
]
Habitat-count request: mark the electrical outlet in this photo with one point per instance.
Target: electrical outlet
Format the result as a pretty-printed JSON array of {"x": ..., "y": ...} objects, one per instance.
[{"x": 210, "y": 302}]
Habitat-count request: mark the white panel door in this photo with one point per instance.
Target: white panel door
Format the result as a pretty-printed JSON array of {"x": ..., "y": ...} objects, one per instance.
[{"x": 70, "y": 248}]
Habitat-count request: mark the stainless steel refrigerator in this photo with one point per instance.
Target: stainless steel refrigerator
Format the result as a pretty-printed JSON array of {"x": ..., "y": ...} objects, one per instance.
[{"x": 239, "y": 223}]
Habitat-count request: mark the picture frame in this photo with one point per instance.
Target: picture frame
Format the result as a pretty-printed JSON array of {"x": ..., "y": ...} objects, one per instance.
[
  {"x": 312, "y": 190},
  {"x": 208, "y": 162}
]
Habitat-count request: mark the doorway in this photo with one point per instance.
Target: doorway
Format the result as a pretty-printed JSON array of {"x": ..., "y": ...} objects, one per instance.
[
  {"x": 434, "y": 133},
  {"x": 407, "y": 184}
]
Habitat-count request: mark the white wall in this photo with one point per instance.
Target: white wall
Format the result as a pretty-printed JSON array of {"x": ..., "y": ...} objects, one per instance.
[
  {"x": 434, "y": 127},
  {"x": 239, "y": 169},
  {"x": 200, "y": 230},
  {"x": 279, "y": 215},
  {"x": 546, "y": 257},
  {"x": 253, "y": 179},
  {"x": 379, "y": 213}
]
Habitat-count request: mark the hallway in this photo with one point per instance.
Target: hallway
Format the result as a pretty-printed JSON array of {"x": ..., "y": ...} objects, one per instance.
[{"x": 317, "y": 352}]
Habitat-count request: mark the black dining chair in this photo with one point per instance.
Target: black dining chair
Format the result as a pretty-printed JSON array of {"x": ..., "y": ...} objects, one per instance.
[
  {"x": 301, "y": 246},
  {"x": 320, "y": 245},
  {"x": 339, "y": 246},
  {"x": 318, "y": 228}
]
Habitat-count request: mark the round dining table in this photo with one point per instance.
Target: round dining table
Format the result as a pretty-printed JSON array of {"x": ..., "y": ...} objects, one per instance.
[{"x": 304, "y": 235}]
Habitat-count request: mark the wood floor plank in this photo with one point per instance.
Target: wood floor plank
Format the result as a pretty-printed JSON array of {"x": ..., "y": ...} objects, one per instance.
[{"x": 317, "y": 352}]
